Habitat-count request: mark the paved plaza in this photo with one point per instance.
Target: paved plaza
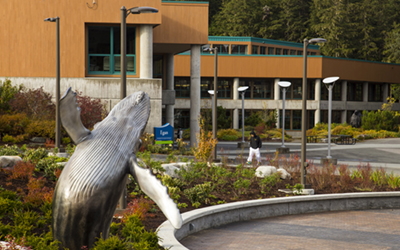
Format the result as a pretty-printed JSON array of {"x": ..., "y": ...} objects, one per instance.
[
  {"x": 352, "y": 230},
  {"x": 361, "y": 230}
]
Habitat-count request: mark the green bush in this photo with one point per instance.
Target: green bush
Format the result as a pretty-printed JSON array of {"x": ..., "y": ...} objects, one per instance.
[
  {"x": 229, "y": 138},
  {"x": 7, "y": 93},
  {"x": 35, "y": 155},
  {"x": 112, "y": 243},
  {"x": 199, "y": 193},
  {"x": 49, "y": 166},
  {"x": 9, "y": 150},
  {"x": 380, "y": 120},
  {"x": 13, "y": 124},
  {"x": 13, "y": 139},
  {"x": 254, "y": 119},
  {"x": 41, "y": 128}
]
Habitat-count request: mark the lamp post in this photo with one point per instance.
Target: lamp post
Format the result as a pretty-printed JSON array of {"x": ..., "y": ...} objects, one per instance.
[
  {"x": 124, "y": 14},
  {"x": 58, "y": 123},
  {"x": 211, "y": 92},
  {"x": 329, "y": 84},
  {"x": 242, "y": 90},
  {"x": 214, "y": 120},
  {"x": 304, "y": 108},
  {"x": 284, "y": 85}
]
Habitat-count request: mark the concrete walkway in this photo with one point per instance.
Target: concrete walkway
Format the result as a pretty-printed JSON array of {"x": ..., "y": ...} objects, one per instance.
[{"x": 361, "y": 230}]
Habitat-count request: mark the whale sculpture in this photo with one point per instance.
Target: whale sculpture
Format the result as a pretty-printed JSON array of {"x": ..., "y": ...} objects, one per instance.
[{"x": 89, "y": 187}]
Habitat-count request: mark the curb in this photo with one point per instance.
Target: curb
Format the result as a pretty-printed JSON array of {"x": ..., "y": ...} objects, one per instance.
[{"x": 208, "y": 217}]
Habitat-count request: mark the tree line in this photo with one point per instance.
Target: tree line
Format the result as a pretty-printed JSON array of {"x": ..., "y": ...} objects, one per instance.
[{"x": 358, "y": 29}]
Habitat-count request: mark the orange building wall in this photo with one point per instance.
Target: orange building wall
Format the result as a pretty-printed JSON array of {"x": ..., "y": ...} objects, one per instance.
[
  {"x": 290, "y": 67},
  {"x": 28, "y": 44},
  {"x": 183, "y": 23}
]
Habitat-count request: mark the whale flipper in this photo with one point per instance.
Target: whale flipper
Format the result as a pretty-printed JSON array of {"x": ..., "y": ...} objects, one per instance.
[
  {"x": 70, "y": 115},
  {"x": 153, "y": 188}
]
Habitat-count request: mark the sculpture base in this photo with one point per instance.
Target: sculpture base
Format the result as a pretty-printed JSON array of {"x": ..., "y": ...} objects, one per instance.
[
  {"x": 283, "y": 150},
  {"x": 328, "y": 161},
  {"x": 243, "y": 144}
]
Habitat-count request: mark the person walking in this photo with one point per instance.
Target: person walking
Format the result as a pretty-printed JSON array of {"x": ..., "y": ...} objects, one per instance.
[{"x": 255, "y": 145}]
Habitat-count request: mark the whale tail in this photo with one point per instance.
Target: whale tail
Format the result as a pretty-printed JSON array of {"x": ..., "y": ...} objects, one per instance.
[{"x": 153, "y": 188}]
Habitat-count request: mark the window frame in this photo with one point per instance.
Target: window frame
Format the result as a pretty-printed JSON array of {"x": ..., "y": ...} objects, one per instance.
[{"x": 112, "y": 55}]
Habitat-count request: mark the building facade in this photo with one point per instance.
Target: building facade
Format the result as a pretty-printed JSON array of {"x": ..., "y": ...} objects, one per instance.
[{"x": 262, "y": 63}]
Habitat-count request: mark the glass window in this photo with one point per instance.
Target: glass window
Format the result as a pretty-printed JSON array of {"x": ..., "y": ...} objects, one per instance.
[
  {"x": 157, "y": 66},
  {"x": 263, "y": 50},
  {"x": 239, "y": 49},
  {"x": 293, "y": 52},
  {"x": 206, "y": 47},
  {"x": 375, "y": 92},
  {"x": 285, "y": 51},
  {"x": 254, "y": 50},
  {"x": 336, "y": 116},
  {"x": 182, "y": 87},
  {"x": 297, "y": 87},
  {"x": 271, "y": 51},
  {"x": 336, "y": 92},
  {"x": 224, "y": 88},
  {"x": 355, "y": 91},
  {"x": 299, "y": 52},
  {"x": 222, "y": 48},
  {"x": 288, "y": 116},
  {"x": 278, "y": 51},
  {"x": 310, "y": 118},
  {"x": 246, "y": 82},
  {"x": 311, "y": 89},
  {"x": 104, "y": 50},
  {"x": 313, "y": 53},
  {"x": 206, "y": 85},
  {"x": 296, "y": 120},
  {"x": 182, "y": 118},
  {"x": 262, "y": 89}
]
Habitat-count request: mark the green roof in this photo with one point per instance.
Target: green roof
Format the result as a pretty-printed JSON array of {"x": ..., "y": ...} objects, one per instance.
[{"x": 258, "y": 40}]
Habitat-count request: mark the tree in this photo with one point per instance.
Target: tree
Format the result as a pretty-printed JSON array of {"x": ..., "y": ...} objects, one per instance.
[{"x": 7, "y": 93}]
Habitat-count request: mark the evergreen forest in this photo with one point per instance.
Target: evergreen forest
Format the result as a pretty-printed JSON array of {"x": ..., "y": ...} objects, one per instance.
[{"x": 357, "y": 29}]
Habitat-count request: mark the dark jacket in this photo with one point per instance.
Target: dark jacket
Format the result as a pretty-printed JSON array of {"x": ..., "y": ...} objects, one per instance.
[{"x": 255, "y": 142}]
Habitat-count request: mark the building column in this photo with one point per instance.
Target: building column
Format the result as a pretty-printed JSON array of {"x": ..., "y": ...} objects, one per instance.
[
  {"x": 276, "y": 98},
  {"x": 385, "y": 93},
  {"x": 365, "y": 92},
  {"x": 194, "y": 93},
  {"x": 317, "y": 115},
  {"x": 344, "y": 99},
  {"x": 169, "y": 109},
  {"x": 146, "y": 51},
  {"x": 236, "y": 97}
]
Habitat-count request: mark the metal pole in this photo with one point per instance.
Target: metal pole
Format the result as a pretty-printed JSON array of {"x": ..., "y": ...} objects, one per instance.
[
  {"x": 122, "y": 200},
  {"x": 329, "y": 121},
  {"x": 215, "y": 99},
  {"x": 123, "y": 53},
  {"x": 58, "y": 123},
  {"x": 304, "y": 114},
  {"x": 212, "y": 108},
  {"x": 283, "y": 117},
  {"x": 243, "y": 116}
]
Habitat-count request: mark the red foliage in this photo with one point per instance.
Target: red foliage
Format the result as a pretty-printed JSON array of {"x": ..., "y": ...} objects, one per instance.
[
  {"x": 21, "y": 170},
  {"x": 35, "y": 103},
  {"x": 260, "y": 128},
  {"x": 140, "y": 207},
  {"x": 49, "y": 143},
  {"x": 37, "y": 192},
  {"x": 92, "y": 110}
]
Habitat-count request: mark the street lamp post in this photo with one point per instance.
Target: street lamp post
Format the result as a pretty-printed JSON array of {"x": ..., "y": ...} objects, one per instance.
[
  {"x": 58, "y": 123},
  {"x": 242, "y": 90},
  {"x": 304, "y": 164},
  {"x": 124, "y": 14},
  {"x": 329, "y": 84},
  {"x": 214, "y": 120},
  {"x": 211, "y": 92},
  {"x": 284, "y": 85}
]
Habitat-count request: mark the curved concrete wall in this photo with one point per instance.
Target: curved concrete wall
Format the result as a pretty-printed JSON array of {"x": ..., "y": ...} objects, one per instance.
[{"x": 200, "y": 219}]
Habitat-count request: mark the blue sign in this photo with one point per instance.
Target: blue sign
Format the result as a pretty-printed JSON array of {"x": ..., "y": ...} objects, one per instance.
[{"x": 164, "y": 133}]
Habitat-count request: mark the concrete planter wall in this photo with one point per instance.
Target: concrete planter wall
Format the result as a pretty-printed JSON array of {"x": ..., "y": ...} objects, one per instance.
[{"x": 204, "y": 218}]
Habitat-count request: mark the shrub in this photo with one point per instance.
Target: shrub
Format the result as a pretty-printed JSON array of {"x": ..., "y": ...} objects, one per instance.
[
  {"x": 41, "y": 128},
  {"x": 229, "y": 138},
  {"x": 21, "y": 170},
  {"x": 199, "y": 193},
  {"x": 111, "y": 243},
  {"x": 14, "y": 139},
  {"x": 9, "y": 150},
  {"x": 380, "y": 120},
  {"x": 134, "y": 232},
  {"x": 206, "y": 145},
  {"x": 13, "y": 124},
  {"x": 35, "y": 103},
  {"x": 38, "y": 193},
  {"x": 139, "y": 207},
  {"x": 35, "y": 155},
  {"x": 92, "y": 110},
  {"x": 7, "y": 93},
  {"x": 254, "y": 119},
  {"x": 50, "y": 167}
]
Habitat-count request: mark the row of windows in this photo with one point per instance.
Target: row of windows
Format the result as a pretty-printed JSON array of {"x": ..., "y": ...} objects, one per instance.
[
  {"x": 255, "y": 50},
  {"x": 264, "y": 89},
  {"x": 292, "y": 117}
]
